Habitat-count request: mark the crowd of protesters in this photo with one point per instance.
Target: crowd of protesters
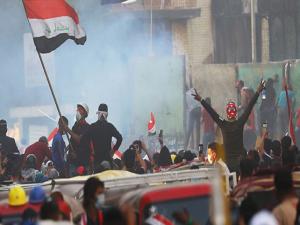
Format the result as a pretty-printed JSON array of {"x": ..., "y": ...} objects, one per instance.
[{"x": 91, "y": 151}]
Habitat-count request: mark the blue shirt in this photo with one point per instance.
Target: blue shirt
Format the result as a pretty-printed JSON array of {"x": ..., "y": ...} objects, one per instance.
[
  {"x": 282, "y": 103},
  {"x": 58, "y": 151}
]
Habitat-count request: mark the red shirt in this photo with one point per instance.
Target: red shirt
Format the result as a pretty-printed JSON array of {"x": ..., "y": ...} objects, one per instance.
[
  {"x": 40, "y": 150},
  {"x": 7, "y": 210},
  {"x": 207, "y": 122}
]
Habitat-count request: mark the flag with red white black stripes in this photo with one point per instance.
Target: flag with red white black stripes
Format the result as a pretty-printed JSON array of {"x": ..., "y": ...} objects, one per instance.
[{"x": 52, "y": 23}]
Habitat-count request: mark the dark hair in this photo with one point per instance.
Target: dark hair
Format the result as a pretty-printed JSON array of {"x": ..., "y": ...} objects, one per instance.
[
  {"x": 213, "y": 146},
  {"x": 103, "y": 107},
  {"x": 129, "y": 158},
  {"x": 49, "y": 210},
  {"x": 276, "y": 147},
  {"x": 181, "y": 153},
  {"x": 3, "y": 127},
  {"x": 165, "y": 157},
  {"x": 178, "y": 159},
  {"x": 89, "y": 190},
  {"x": 267, "y": 145},
  {"x": 253, "y": 155},
  {"x": 283, "y": 182},
  {"x": 188, "y": 156},
  {"x": 43, "y": 139},
  {"x": 139, "y": 144},
  {"x": 286, "y": 143},
  {"x": 64, "y": 119}
]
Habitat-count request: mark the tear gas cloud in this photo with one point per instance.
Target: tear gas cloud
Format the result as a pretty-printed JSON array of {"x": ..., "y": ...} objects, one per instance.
[{"x": 100, "y": 71}]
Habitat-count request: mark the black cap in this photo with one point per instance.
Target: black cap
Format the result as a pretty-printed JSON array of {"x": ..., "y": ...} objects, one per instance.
[
  {"x": 103, "y": 107},
  {"x": 3, "y": 123}
]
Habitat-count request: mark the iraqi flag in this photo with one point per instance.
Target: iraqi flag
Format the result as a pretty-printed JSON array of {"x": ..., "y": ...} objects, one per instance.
[
  {"x": 52, "y": 23},
  {"x": 151, "y": 125},
  {"x": 52, "y": 134}
]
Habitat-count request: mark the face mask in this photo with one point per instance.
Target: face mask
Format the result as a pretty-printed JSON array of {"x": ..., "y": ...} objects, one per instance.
[
  {"x": 78, "y": 116},
  {"x": 102, "y": 115},
  {"x": 209, "y": 159},
  {"x": 100, "y": 200}
]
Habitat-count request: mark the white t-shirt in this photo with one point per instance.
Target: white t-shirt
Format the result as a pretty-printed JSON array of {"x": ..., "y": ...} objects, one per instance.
[{"x": 190, "y": 101}]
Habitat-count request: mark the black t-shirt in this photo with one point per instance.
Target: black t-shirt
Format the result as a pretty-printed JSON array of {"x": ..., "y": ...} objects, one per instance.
[
  {"x": 232, "y": 132},
  {"x": 269, "y": 102},
  {"x": 100, "y": 134},
  {"x": 83, "y": 149},
  {"x": 8, "y": 145}
]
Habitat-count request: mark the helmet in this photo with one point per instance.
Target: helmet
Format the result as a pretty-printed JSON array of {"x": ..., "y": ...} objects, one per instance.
[
  {"x": 17, "y": 196},
  {"x": 85, "y": 106},
  {"x": 231, "y": 110},
  {"x": 37, "y": 195}
]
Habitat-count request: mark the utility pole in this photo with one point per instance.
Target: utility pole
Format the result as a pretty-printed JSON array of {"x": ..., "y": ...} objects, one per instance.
[
  {"x": 253, "y": 31},
  {"x": 151, "y": 29}
]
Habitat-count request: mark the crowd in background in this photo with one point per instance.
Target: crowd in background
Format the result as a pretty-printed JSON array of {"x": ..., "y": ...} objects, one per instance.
[{"x": 91, "y": 150}]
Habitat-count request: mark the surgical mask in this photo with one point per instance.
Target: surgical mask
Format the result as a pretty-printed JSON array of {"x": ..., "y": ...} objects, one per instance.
[
  {"x": 209, "y": 159},
  {"x": 78, "y": 116},
  {"x": 100, "y": 200}
]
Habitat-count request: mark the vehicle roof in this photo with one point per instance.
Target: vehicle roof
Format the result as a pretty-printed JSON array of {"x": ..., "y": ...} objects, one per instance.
[{"x": 141, "y": 197}]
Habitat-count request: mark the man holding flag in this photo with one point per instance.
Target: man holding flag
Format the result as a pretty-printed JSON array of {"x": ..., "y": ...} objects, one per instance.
[{"x": 52, "y": 22}]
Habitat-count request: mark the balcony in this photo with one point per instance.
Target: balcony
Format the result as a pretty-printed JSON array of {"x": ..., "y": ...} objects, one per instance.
[{"x": 161, "y": 9}]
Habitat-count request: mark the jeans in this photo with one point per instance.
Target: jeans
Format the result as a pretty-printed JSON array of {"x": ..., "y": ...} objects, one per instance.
[{"x": 193, "y": 121}]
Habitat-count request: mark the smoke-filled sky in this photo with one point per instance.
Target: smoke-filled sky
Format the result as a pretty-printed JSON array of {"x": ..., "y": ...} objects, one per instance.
[{"x": 100, "y": 71}]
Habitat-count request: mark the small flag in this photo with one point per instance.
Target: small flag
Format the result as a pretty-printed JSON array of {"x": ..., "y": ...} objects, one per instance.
[
  {"x": 52, "y": 23},
  {"x": 52, "y": 134},
  {"x": 117, "y": 155},
  {"x": 151, "y": 125}
]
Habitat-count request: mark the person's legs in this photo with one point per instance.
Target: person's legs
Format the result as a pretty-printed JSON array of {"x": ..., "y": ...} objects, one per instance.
[
  {"x": 281, "y": 122},
  {"x": 272, "y": 123},
  {"x": 195, "y": 116},
  {"x": 285, "y": 122},
  {"x": 189, "y": 130},
  {"x": 198, "y": 130}
]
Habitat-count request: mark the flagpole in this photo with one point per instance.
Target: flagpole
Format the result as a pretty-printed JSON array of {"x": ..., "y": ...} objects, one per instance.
[
  {"x": 50, "y": 85},
  {"x": 48, "y": 80},
  {"x": 285, "y": 79},
  {"x": 44, "y": 69}
]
